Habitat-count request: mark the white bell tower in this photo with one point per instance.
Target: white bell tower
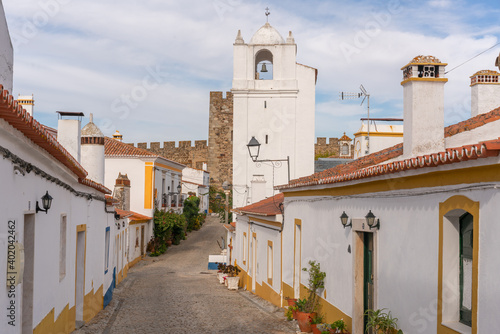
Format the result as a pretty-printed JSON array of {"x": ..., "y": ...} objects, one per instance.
[{"x": 274, "y": 101}]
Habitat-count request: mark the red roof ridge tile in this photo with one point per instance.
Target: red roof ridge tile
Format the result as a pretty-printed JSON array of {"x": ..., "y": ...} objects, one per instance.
[
  {"x": 265, "y": 207},
  {"x": 14, "y": 114},
  {"x": 483, "y": 149},
  {"x": 472, "y": 123},
  {"x": 132, "y": 215},
  {"x": 95, "y": 185},
  {"x": 116, "y": 148}
]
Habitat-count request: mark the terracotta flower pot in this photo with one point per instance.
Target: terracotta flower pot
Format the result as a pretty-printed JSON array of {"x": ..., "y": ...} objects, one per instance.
[
  {"x": 315, "y": 329},
  {"x": 304, "y": 320},
  {"x": 291, "y": 301}
]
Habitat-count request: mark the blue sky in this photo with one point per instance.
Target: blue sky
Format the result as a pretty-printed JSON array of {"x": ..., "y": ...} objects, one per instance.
[{"x": 146, "y": 67}]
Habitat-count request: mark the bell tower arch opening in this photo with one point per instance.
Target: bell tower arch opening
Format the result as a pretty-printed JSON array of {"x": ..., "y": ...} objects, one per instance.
[{"x": 264, "y": 65}]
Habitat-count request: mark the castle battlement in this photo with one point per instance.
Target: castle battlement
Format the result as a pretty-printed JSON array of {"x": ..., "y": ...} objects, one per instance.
[{"x": 171, "y": 145}]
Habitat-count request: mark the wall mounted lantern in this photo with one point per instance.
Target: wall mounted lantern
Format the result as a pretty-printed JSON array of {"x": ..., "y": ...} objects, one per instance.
[
  {"x": 370, "y": 220},
  {"x": 179, "y": 187},
  {"x": 46, "y": 203},
  {"x": 254, "y": 149},
  {"x": 344, "y": 218}
]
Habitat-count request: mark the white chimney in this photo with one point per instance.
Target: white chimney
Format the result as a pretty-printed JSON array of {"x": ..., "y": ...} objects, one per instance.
[
  {"x": 69, "y": 132},
  {"x": 423, "y": 91},
  {"x": 27, "y": 102},
  {"x": 485, "y": 92},
  {"x": 117, "y": 136},
  {"x": 93, "y": 151}
]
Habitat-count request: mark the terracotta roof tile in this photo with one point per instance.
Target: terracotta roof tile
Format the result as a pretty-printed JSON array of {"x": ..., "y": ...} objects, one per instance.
[
  {"x": 472, "y": 123},
  {"x": 133, "y": 216},
  {"x": 345, "y": 138},
  {"x": 115, "y": 148},
  {"x": 95, "y": 185},
  {"x": 453, "y": 155},
  {"x": 363, "y": 162},
  {"x": 14, "y": 114},
  {"x": 266, "y": 207}
]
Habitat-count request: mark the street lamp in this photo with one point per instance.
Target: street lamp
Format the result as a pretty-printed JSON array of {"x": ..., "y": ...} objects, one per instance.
[
  {"x": 226, "y": 186},
  {"x": 254, "y": 150}
]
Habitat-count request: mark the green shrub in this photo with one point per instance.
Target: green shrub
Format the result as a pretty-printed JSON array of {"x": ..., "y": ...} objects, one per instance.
[{"x": 168, "y": 225}]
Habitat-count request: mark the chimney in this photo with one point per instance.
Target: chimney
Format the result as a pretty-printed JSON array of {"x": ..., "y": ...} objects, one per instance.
[
  {"x": 92, "y": 150},
  {"x": 117, "y": 136},
  {"x": 485, "y": 92},
  {"x": 423, "y": 99},
  {"x": 122, "y": 192},
  {"x": 69, "y": 132},
  {"x": 27, "y": 102}
]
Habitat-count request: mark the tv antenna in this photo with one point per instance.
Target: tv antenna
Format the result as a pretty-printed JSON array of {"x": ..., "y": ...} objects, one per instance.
[{"x": 366, "y": 96}]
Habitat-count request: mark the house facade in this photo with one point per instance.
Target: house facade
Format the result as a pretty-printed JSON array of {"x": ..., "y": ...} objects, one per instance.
[
  {"x": 63, "y": 279},
  {"x": 419, "y": 234}
]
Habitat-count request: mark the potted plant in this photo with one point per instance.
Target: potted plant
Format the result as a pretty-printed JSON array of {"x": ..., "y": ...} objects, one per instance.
[
  {"x": 291, "y": 301},
  {"x": 221, "y": 267},
  {"x": 232, "y": 277},
  {"x": 339, "y": 326},
  {"x": 315, "y": 321},
  {"x": 381, "y": 322},
  {"x": 316, "y": 282}
]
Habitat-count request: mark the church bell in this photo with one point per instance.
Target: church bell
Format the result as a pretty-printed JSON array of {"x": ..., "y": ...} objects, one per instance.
[{"x": 264, "y": 68}]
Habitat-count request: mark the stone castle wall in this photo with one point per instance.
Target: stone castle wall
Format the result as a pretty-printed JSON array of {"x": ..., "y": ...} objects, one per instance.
[
  {"x": 220, "y": 138},
  {"x": 185, "y": 153}
]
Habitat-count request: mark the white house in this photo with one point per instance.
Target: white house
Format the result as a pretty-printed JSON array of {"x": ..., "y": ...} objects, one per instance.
[
  {"x": 272, "y": 93},
  {"x": 198, "y": 182},
  {"x": 420, "y": 235},
  {"x": 255, "y": 246},
  {"x": 153, "y": 181},
  {"x": 377, "y": 134},
  {"x": 64, "y": 276}
]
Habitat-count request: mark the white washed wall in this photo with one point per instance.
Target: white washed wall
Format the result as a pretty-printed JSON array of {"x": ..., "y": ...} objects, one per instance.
[
  {"x": 407, "y": 252},
  {"x": 17, "y": 198}
]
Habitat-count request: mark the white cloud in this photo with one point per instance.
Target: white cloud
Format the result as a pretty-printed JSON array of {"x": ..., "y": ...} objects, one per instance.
[{"x": 88, "y": 54}]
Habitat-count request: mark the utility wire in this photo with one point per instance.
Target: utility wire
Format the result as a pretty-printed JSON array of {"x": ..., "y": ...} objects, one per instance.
[{"x": 472, "y": 58}]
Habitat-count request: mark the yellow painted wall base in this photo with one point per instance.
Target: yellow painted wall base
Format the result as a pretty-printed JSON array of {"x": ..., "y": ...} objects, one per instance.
[
  {"x": 92, "y": 304},
  {"x": 330, "y": 312},
  {"x": 134, "y": 262},
  {"x": 122, "y": 275},
  {"x": 65, "y": 322},
  {"x": 266, "y": 292}
]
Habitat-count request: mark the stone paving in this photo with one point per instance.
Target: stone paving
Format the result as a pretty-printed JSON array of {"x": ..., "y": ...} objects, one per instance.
[{"x": 175, "y": 293}]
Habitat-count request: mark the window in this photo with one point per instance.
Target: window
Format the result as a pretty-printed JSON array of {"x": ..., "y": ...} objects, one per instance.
[
  {"x": 106, "y": 249},
  {"x": 466, "y": 244},
  {"x": 458, "y": 265},
  {"x": 345, "y": 149},
  {"x": 244, "y": 248},
  {"x": 270, "y": 262},
  {"x": 136, "y": 237},
  {"x": 267, "y": 139},
  {"x": 62, "y": 248},
  {"x": 265, "y": 104}
]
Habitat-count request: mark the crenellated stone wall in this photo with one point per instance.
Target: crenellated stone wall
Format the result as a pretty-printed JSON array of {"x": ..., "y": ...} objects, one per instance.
[{"x": 185, "y": 153}]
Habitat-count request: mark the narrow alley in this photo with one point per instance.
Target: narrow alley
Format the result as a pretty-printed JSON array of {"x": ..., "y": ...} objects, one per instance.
[{"x": 175, "y": 293}]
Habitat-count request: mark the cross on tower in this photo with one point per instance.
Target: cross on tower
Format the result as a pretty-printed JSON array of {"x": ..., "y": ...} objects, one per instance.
[{"x": 267, "y": 14}]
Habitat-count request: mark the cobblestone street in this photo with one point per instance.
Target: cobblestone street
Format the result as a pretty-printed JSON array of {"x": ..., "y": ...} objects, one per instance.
[{"x": 175, "y": 293}]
